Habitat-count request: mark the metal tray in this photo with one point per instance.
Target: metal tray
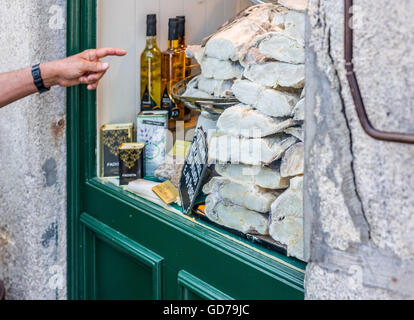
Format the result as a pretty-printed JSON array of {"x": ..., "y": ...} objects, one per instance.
[
  {"x": 215, "y": 106},
  {"x": 263, "y": 1}
]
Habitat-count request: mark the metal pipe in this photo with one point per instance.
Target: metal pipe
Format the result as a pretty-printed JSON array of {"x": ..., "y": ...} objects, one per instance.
[{"x": 356, "y": 92}]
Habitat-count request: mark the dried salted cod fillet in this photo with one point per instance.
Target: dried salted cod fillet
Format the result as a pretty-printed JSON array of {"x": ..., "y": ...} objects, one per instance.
[
  {"x": 290, "y": 233},
  {"x": 192, "y": 90},
  {"x": 245, "y": 195},
  {"x": 297, "y": 132},
  {"x": 247, "y": 91},
  {"x": 241, "y": 121},
  {"x": 196, "y": 93},
  {"x": 232, "y": 41},
  {"x": 196, "y": 52},
  {"x": 292, "y": 23},
  {"x": 227, "y": 148},
  {"x": 253, "y": 56},
  {"x": 280, "y": 143},
  {"x": 293, "y": 161},
  {"x": 271, "y": 102},
  {"x": 286, "y": 220},
  {"x": 273, "y": 74},
  {"x": 252, "y": 12},
  {"x": 221, "y": 69},
  {"x": 264, "y": 177},
  {"x": 290, "y": 202},
  {"x": 235, "y": 217},
  {"x": 281, "y": 47},
  {"x": 299, "y": 111},
  {"x": 217, "y": 88},
  {"x": 298, "y": 5},
  {"x": 276, "y": 103}
]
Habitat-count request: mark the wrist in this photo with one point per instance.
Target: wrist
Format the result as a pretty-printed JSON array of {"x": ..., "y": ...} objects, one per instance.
[{"x": 49, "y": 74}]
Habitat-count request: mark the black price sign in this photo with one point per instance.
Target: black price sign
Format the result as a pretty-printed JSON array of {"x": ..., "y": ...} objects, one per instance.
[{"x": 194, "y": 171}]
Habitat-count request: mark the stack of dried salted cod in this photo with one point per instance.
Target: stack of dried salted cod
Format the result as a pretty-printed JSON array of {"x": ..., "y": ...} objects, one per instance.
[
  {"x": 259, "y": 144},
  {"x": 224, "y": 55}
]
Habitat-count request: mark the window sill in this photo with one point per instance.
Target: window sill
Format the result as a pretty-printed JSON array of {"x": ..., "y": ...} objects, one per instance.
[{"x": 285, "y": 268}]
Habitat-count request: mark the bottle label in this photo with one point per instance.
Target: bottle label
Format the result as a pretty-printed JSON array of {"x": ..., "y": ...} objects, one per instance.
[
  {"x": 168, "y": 104},
  {"x": 147, "y": 103}
]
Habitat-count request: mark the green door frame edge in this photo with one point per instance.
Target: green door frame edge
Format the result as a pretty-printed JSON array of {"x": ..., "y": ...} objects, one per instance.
[
  {"x": 72, "y": 136},
  {"x": 81, "y": 34},
  {"x": 81, "y": 173}
]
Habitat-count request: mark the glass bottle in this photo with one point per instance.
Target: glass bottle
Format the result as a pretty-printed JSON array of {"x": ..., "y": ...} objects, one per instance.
[
  {"x": 182, "y": 43},
  {"x": 188, "y": 61},
  {"x": 173, "y": 71},
  {"x": 151, "y": 69}
]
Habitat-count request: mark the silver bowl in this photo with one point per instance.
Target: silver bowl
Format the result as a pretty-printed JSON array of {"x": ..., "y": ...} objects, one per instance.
[{"x": 215, "y": 106}]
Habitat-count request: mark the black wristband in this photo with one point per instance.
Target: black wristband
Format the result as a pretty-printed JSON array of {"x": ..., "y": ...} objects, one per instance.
[{"x": 37, "y": 78}]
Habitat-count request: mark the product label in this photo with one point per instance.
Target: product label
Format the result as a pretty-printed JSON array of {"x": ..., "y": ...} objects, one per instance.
[
  {"x": 154, "y": 123},
  {"x": 168, "y": 104},
  {"x": 147, "y": 102}
]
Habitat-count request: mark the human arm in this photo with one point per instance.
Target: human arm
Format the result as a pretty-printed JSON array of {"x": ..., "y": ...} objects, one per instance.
[{"x": 83, "y": 68}]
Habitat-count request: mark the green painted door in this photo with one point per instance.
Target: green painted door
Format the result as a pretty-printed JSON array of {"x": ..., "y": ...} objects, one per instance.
[{"x": 123, "y": 247}]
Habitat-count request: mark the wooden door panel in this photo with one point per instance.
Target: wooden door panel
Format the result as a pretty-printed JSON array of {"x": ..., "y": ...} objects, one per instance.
[
  {"x": 192, "y": 288},
  {"x": 118, "y": 267}
]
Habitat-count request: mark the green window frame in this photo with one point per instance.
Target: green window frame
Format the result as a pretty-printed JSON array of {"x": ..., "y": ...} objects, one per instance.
[{"x": 81, "y": 177}]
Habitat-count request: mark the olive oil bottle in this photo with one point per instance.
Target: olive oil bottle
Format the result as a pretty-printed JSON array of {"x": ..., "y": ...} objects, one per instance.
[
  {"x": 151, "y": 69},
  {"x": 173, "y": 71},
  {"x": 182, "y": 43}
]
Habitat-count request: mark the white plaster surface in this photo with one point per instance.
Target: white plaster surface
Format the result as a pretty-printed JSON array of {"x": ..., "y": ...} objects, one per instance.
[{"x": 33, "y": 157}]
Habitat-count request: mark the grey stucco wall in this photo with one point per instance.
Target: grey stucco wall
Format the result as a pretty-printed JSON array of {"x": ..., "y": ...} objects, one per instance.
[
  {"x": 359, "y": 203},
  {"x": 33, "y": 157}
]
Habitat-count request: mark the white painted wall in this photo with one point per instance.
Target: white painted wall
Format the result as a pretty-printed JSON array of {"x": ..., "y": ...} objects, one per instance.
[{"x": 123, "y": 24}]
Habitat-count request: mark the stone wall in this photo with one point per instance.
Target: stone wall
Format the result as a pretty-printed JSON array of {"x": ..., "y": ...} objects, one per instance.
[
  {"x": 359, "y": 203},
  {"x": 33, "y": 157}
]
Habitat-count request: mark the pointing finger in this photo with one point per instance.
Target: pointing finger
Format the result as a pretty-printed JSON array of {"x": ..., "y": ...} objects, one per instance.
[
  {"x": 104, "y": 52},
  {"x": 96, "y": 54}
]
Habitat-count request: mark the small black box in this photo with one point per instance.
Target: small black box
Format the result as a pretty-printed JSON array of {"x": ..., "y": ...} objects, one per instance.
[{"x": 130, "y": 162}]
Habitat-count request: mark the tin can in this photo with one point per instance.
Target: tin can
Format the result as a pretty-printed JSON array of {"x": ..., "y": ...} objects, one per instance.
[
  {"x": 130, "y": 162},
  {"x": 152, "y": 129},
  {"x": 112, "y": 137}
]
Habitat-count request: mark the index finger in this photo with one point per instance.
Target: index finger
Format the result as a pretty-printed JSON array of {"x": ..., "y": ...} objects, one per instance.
[{"x": 104, "y": 52}]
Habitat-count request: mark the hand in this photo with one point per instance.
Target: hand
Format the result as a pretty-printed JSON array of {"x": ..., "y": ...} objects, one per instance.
[{"x": 83, "y": 68}]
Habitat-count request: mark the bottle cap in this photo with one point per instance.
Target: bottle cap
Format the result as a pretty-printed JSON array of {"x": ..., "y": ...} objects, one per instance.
[
  {"x": 181, "y": 26},
  {"x": 173, "y": 29},
  {"x": 152, "y": 17},
  {"x": 151, "y": 25}
]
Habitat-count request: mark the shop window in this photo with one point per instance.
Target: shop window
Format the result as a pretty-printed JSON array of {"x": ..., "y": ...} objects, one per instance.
[{"x": 250, "y": 89}]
